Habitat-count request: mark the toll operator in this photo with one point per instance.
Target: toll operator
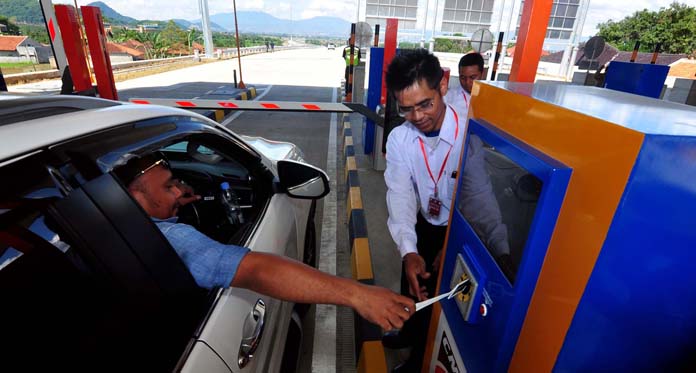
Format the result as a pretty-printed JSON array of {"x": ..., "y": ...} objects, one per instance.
[
  {"x": 346, "y": 57},
  {"x": 470, "y": 69},
  {"x": 150, "y": 183},
  {"x": 422, "y": 167}
]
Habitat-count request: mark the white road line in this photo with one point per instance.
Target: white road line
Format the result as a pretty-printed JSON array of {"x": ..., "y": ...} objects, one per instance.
[
  {"x": 324, "y": 355},
  {"x": 238, "y": 113}
]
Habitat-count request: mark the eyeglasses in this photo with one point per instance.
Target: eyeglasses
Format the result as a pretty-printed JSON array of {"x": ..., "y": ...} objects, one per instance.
[
  {"x": 421, "y": 106},
  {"x": 464, "y": 78},
  {"x": 159, "y": 162}
]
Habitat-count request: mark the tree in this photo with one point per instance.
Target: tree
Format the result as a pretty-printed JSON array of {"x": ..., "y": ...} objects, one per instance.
[
  {"x": 192, "y": 36},
  {"x": 123, "y": 34},
  {"x": 173, "y": 34},
  {"x": 36, "y": 32},
  {"x": 154, "y": 46},
  {"x": 673, "y": 27},
  {"x": 451, "y": 45},
  {"x": 12, "y": 29}
]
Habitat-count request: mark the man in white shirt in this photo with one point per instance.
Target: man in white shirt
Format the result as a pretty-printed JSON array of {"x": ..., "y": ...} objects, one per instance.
[
  {"x": 470, "y": 69},
  {"x": 422, "y": 166},
  {"x": 422, "y": 161}
]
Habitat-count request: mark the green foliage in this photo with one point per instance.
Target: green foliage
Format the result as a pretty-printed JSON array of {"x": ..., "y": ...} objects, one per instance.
[
  {"x": 674, "y": 27},
  {"x": 23, "y": 11},
  {"x": 408, "y": 45},
  {"x": 36, "y": 32},
  {"x": 172, "y": 34},
  {"x": 12, "y": 29},
  {"x": 227, "y": 40},
  {"x": 155, "y": 46},
  {"x": 451, "y": 45},
  {"x": 122, "y": 34}
]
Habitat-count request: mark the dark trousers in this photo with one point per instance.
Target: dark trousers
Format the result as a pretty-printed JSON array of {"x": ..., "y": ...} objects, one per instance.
[{"x": 431, "y": 238}]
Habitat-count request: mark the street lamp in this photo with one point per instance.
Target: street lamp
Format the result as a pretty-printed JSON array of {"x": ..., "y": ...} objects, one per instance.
[{"x": 239, "y": 55}]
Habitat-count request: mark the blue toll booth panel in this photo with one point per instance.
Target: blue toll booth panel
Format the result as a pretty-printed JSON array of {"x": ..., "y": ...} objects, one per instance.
[
  {"x": 507, "y": 202},
  {"x": 637, "y": 78},
  {"x": 573, "y": 222},
  {"x": 374, "y": 92}
]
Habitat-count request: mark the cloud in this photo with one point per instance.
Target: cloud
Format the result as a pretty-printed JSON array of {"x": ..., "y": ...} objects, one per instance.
[
  {"x": 599, "y": 10},
  {"x": 342, "y": 9}
]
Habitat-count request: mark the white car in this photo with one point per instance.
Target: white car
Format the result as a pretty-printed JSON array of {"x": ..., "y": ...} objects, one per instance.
[
  {"x": 88, "y": 282},
  {"x": 331, "y": 46}
]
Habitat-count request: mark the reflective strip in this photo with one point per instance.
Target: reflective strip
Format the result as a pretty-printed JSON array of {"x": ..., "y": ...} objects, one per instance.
[
  {"x": 248, "y": 105},
  {"x": 51, "y": 30}
]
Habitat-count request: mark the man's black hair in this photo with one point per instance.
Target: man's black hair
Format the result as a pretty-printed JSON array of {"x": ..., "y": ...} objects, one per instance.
[
  {"x": 413, "y": 66},
  {"x": 471, "y": 59}
]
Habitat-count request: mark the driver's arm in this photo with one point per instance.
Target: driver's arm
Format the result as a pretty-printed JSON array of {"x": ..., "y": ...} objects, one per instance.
[{"x": 290, "y": 280}]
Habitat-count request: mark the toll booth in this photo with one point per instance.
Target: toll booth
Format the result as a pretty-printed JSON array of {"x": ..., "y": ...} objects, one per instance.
[{"x": 573, "y": 220}]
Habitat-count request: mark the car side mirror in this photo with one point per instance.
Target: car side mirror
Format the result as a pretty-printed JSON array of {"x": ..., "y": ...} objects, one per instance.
[{"x": 301, "y": 180}]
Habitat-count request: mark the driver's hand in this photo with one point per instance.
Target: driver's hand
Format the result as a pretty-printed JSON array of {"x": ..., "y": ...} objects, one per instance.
[{"x": 187, "y": 193}]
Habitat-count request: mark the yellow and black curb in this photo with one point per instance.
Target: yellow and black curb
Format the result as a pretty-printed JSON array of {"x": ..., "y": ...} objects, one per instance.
[
  {"x": 368, "y": 336},
  {"x": 219, "y": 115}
]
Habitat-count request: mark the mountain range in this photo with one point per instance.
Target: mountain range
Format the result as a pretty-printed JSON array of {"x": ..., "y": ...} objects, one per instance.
[{"x": 249, "y": 21}]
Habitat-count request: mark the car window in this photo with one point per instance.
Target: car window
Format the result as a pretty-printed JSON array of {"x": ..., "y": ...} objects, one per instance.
[
  {"x": 181, "y": 148},
  {"x": 232, "y": 196}
]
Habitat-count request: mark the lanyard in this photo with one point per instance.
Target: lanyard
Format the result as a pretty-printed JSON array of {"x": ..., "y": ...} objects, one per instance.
[
  {"x": 466, "y": 100},
  {"x": 444, "y": 162}
]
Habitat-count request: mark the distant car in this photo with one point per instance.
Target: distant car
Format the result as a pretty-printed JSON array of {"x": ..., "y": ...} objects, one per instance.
[
  {"x": 89, "y": 282},
  {"x": 331, "y": 46}
]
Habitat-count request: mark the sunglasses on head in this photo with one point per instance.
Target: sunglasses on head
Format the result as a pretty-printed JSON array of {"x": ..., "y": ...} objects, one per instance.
[{"x": 159, "y": 162}]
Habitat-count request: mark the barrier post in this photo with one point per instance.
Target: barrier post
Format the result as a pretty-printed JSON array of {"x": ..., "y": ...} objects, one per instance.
[
  {"x": 634, "y": 55},
  {"x": 656, "y": 52},
  {"x": 3, "y": 85},
  {"x": 349, "y": 81},
  {"x": 94, "y": 28},
  {"x": 498, "y": 49},
  {"x": 78, "y": 72}
]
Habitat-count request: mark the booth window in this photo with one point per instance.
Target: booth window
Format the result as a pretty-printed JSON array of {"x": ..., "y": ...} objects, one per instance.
[{"x": 498, "y": 198}]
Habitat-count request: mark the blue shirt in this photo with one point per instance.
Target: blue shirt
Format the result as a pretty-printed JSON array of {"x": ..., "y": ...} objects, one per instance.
[{"x": 210, "y": 262}]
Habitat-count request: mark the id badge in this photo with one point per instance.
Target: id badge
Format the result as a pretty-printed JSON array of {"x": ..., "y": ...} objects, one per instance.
[{"x": 434, "y": 205}]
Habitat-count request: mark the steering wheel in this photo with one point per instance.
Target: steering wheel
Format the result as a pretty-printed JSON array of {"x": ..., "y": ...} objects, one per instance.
[{"x": 189, "y": 214}]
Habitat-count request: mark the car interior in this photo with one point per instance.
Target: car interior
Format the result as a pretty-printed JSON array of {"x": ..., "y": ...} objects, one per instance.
[
  {"x": 85, "y": 275},
  {"x": 224, "y": 214}
]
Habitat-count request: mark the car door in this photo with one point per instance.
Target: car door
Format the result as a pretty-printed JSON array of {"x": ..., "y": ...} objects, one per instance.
[{"x": 244, "y": 320}]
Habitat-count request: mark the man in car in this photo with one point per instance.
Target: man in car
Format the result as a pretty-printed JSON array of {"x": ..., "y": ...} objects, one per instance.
[{"x": 211, "y": 263}]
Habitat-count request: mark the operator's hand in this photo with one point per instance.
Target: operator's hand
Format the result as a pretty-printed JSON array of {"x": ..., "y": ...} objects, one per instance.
[
  {"x": 414, "y": 265},
  {"x": 187, "y": 193},
  {"x": 383, "y": 307}
]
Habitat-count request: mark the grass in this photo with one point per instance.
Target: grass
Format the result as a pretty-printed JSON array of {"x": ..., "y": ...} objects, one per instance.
[{"x": 22, "y": 67}]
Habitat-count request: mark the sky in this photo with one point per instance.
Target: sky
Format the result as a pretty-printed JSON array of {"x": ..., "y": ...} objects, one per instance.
[{"x": 599, "y": 11}]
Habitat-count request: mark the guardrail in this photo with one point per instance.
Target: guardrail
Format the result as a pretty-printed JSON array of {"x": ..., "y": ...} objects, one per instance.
[{"x": 226, "y": 53}]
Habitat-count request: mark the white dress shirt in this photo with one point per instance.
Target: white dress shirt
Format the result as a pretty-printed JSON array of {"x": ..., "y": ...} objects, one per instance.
[
  {"x": 459, "y": 99},
  {"x": 409, "y": 185}
]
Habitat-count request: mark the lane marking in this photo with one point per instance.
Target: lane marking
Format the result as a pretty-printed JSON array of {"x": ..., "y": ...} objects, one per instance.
[
  {"x": 234, "y": 116},
  {"x": 324, "y": 354}
]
